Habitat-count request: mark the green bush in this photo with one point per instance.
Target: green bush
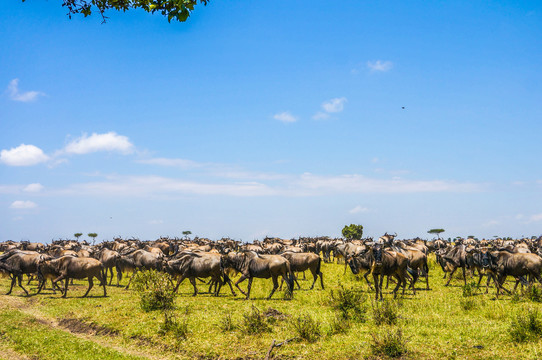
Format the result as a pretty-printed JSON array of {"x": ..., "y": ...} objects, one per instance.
[
  {"x": 156, "y": 290},
  {"x": 226, "y": 324},
  {"x": 385, "y": 312},
  {"x": 351, "y": 302},
  {"x": 338, "y": 325},
  {"x": 307, "y": 328},
  {"x": 469, "y": 289},
  {"x": 254, "y": 322},
  {"x": 526, "y": 326},
  {"x": 174, "y": 326},
  {"x": 390, "y": 344},
  {"x": 468, "y": 303}
]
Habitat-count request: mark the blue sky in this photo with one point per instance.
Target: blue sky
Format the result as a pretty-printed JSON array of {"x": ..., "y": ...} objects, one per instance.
[{"x": 272, "y": 118}]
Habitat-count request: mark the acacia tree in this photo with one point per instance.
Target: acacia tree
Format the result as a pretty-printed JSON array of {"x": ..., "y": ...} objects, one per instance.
[
  {"x": 77, "y": 236},
  {"x": 353, "y": 231},
  {"x": 174, "y": 9},
  {"x": 93, "y": 236},
  {"x": 187, "y": 233},
  {"x": 436, "y": 231}
]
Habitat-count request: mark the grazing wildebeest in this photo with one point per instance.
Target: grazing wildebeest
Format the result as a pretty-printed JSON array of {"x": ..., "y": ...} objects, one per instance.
[
  {"x": 453, "y": 259},
  {"x": 305, "y": 261},
  {"x": 19, "y": 262},
  {"x": 386, "y": 262},
  {"x": 417, "y": 262},
  {"x": 252, "y": 265},
  {"x": 70, "y": 267},
  {"x": 194, "y": 265},
  {"x": 505, "y": 263}
]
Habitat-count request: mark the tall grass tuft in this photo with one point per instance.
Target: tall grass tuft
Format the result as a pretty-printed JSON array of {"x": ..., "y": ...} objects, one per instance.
[
  {"x": 351, "y": 303},
  {"x": 526, "y": 325},
  {"x": 390, "y": 344},
  {"x": 469, "y": 289},
  {"x": 254, "y": 322},
  {"x": 226, "y": 323},
  {"x": 385, "y": 312},
  {"x": 307, "y": 328}
]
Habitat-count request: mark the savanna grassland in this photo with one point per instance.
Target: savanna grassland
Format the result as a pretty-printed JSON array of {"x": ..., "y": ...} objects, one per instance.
[{"x": 340, "y": 322}]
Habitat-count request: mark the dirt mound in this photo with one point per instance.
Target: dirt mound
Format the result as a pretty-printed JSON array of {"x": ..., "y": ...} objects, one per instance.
[{"x": 79, "y": 326}]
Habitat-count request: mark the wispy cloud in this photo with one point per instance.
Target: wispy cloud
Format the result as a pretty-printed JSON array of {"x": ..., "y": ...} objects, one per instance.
[
  {"x": 16, "y": 95},
  {"x": 535, "y": 218},
  {"x": 34, "y": 188},
  {"x": 23, "y": 155},
  {"x": 331, "y": 106},
  {"x": 110, "y": 141},
  {"x": 379, "y": 66},
  {"x": 358, "y": 209},
  {"x": 285, "y": 117},
  {"x": 21, "y": 204}
]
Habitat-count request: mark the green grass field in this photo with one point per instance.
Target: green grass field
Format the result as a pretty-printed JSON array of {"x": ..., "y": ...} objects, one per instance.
[{"x": 438, "y": 324}]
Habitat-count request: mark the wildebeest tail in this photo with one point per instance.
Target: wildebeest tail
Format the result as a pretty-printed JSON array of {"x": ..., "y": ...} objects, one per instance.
[
  {"x": 425, "y": 267},
  {"x": 320, "y": 262},
  {"x": 412, "y": 272},
  {"x": 290, "y": 279}
]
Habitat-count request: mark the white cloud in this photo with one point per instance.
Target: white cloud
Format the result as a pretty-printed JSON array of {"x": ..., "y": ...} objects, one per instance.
[
  {"x": 358, "y": 209},
  {"x": 23, "y": 155},
  {"x": 21, "y": 204},
  {"x": 35, "y": 187},
  {"x": 285, "y": 117},
  {"x": 100, "y": 142},
  {"x": 379, "y": 65},
  {"x": 156, "y": 222},
  {"x": 491, "y": 223},
  {"x": 16, "y": 95},
  {"x": 320, "y": 115},
  {"x": 334, "y": 105}
]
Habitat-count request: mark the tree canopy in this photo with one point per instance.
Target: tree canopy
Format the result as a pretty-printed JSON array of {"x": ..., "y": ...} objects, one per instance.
[
  {"x": 436, "y": 231},
  {"x": 353, "y": 231},
  {"x": 174, "y": 9}
]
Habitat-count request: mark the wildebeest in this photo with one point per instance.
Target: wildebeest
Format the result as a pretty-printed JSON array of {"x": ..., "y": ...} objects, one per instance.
[
  {"x": 362, "y": 261},
  {"x": 19, "y": 262},
  {"x": 138, "y": 260},
  {"x": 505, "y": 263},
  {"x": 305, "y": 261},
  {"x": 194, "y": 265},
  {"x": 252, "y": 265},
  {"x": 70, "y": 267},
  {"x": 386, "y": 262},
  {"x": 109, "y": 260}
]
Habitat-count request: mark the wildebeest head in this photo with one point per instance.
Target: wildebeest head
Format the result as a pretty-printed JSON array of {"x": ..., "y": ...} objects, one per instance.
[{"x": 377, "y": 254}]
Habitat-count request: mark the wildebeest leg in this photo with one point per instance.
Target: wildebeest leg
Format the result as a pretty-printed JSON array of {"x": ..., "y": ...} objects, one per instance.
[
  {"x": 228, "y": 281},
  {"x": 295, "y": 279},
  {"x": 30, "y": 278},
  {"x": 193, "y": 282},
  {"x": 13, "y": 280},
  {"x": 20, "y": 281},
  {"x": 315, "y": 277},
  {"x": 131, "y": 277},
  {"x": 367, "y": 279},
  {"x": 119, "y": 274},
  {"x": 248, "y": 288},
  {"x": 378, "y": 287},
  {"x": 181, "y": 279},
  {"x": 387, "y": 282},
  {"x": 241, "y": 279},
  {"x": 451, "y": 274},
  {"x": 275, "y": 286},
  {"x": 464, "y": 278},
  {"x": 90, "y": 285},
  {"x": 111, "y": 277},
  {"x": 400, "y": 281}
]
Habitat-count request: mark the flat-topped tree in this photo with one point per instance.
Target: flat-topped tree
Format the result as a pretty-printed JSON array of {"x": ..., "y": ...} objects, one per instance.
[
  {"x": 436, "y": 231},
  {"x": 93, "y": 236},
  {"x": 77, "y": 236}
]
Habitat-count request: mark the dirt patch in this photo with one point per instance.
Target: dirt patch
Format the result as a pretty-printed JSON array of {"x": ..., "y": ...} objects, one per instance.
[{"x": 79, "y": 326}]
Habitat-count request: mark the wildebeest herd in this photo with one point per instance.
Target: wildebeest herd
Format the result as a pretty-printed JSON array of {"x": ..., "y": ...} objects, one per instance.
[{"x": 405, "y": 261}]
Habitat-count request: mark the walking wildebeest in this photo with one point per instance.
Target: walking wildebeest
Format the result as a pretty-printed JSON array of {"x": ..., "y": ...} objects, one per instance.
[
  {"x": 194, "y": 265},
  {"x": 70, "y": 267},
  {"x": 19, "y": 262},
  {"x": 386, "y": 262},
  {"x": 362, "y": 261},
  {"x": 252, "y": 265},
  {"x": 138, "y": 260},
  {"x": 305, "y": 261},
  {"x": 505, "y": 263}
]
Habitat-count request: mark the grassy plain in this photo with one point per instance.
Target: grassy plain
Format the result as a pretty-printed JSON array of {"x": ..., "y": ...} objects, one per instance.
[{"x": 440, "y": 323}]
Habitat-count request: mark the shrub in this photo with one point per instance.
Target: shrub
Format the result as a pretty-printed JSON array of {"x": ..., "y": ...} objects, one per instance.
[
  {"x": 338, "y": 325},
  {"x": 467, "y": 304},
  {"x": 174, "y": 326},
  {"x": 226, "y": 324},
  {"x": 307, "y": 328},
  {"x": 526, "y": 326},
  {"x": 533, "y": 293},
  {"x": 469, "y": 289},
  {"x": 350, "y": 302},
  {"x": 156, "y": 291},
  {"x": 255, "y": 322},
  {"x": 385, "y": 312},
  {"x": 391, "y": 344}
]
